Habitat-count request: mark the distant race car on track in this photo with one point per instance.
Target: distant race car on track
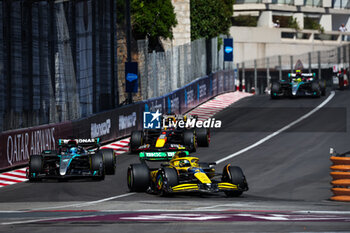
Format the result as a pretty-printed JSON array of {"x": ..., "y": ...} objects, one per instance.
[
  {"x": 298, "y": 84},
  {"x": 183, "y": 173},
  {"x": 169, "y": 138},
  {"x": 72, "y": 159}
]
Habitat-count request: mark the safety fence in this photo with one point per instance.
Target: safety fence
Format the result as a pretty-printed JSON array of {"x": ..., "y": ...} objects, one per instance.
[
  {"x": 18, "y": 145},
  {"x": 341, "y": 178},
  {"x": 57, "y": 60},
  {"x": 258, "y": 74},
  {"x": 163, "y": 72}
]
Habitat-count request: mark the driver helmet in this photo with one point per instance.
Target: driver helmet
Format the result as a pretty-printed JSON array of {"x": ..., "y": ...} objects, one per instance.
[
  {"x": 180, "y": 154},
  {"x": 184, "y": 163},
  {"x": 169, "y": 120},
  {"x": 73, "y": 150}
]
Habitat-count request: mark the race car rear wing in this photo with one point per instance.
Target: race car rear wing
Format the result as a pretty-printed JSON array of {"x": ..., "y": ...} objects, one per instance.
[
  {"x": 85, "y": 142},
  {"x": 159, "y": 156},
  {"x": 303, "y": 75}
]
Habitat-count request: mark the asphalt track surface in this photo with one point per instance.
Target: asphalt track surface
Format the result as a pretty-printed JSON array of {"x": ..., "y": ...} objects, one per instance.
[{"x": 288, "y": 177}]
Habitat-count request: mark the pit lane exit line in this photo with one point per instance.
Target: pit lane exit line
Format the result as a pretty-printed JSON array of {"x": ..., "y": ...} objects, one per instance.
[{"x": 261, "y": 141}]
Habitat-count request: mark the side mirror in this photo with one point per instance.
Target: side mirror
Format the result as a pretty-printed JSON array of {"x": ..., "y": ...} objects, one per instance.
[{"x": 213, "y": 164}]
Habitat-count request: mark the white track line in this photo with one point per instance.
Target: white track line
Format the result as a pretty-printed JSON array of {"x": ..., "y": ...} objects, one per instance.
[
  {"x": 45, "y": 219},
  {"x": 84, "y": 204},
  {"x": 278, "y": 131}
]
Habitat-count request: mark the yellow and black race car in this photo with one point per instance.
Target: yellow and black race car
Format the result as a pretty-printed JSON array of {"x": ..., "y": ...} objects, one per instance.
[
  {"x": 170, "y": 137},
  {"x": 183, "y": 173}
]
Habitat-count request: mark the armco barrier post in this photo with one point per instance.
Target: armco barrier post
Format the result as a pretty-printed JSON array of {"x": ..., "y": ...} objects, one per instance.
[
  {"x": 268, "y": 79},
  {"x": 243, "y": 73},
  {"x": 280, "y": 67},
  {"x": 309, "y": 58},
  {"x": 341, "y": 178},
  {"x": 319, "y": 64},
  {"x": 256, "y": 78}
]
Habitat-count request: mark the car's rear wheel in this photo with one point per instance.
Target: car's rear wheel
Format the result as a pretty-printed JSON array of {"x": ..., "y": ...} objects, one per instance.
[
  {"x": 136, "y": 140},
  {"x": 138, "y": 177},
  {"x": 167, "y": 177},
  {"x": 35, "y": 167},
  {"x": 275, "y": 88},
  {"x": 234, "y": 175},
  {"x": 203, "y": 137},
  {"x": 190, "y": 140},
  {"x": 323, "y": 87},
  {"x": 109, "y": 161},
  {"x": 97, "y": 166},
  {"x": 315, "y": 88}
]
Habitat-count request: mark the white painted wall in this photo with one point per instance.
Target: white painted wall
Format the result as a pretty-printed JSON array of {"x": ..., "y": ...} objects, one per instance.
[{"x": 253, "y": 43}]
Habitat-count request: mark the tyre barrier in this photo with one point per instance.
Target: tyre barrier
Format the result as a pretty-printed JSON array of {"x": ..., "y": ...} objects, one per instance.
[{"x": 341, "y": 178}]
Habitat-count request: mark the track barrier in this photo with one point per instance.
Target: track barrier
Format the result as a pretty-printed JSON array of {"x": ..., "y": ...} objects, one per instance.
[{"x": 341, "y": 177}]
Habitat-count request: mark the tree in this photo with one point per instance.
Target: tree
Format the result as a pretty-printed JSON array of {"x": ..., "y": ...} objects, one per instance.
[
  {"x": 153, "y": 19},
  {"x": 210, "y": 18}
]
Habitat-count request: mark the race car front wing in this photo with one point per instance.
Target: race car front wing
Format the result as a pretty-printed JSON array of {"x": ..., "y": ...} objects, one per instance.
[{"x": 205, "y": 188}]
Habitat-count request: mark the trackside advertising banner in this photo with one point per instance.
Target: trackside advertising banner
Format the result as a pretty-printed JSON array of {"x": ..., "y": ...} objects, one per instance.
[{"x": 16, "y": 146}]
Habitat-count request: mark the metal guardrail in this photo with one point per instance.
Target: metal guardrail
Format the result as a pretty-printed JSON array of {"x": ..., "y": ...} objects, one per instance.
[{"x": 258, "y": 73}]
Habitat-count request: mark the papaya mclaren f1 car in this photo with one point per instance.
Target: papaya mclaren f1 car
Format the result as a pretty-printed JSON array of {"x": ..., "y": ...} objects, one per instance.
[
  {"x": 72, "y": 159},
  {"x": 182, "y": 174}
]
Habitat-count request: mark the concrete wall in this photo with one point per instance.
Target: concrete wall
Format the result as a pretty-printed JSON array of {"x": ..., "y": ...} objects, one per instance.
[
  {"x": 253, "y": 43},
  {"x": 182, "y": 32}
]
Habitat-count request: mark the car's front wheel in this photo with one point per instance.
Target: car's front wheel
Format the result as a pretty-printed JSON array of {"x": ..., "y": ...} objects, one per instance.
[
  {"x": 35, "y": 167},
  {"x": 109, "y": 161},
  {"x": 97, "y": 166},
  {"x": 234, "y": 175},
  {"x": 138, "y": 177},
  {"x": 166, "y": 178}
]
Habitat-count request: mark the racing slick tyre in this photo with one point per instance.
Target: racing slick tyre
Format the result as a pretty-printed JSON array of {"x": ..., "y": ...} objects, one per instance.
[
  {"x": 190, "y": 140},
  {"x": 316, "y": 90},
  {"x": 203, "y": 137},
  {"x": 97, "y": 165},
  {"x": 275, "y": 88},
  {"x": 322, "y": 84},
  {"x": 166, "y": 178},
  {"x": 35, "y": 167},
  {"x": 138, "y": 177},
  {"x": 109, "y": 161},
  {"x": 136, "y": 140},
  {"x": 234, "y": 175}
]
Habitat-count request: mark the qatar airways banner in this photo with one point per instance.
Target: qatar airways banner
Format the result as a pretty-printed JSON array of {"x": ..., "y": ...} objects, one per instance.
[{"x": 16, "y": 146}]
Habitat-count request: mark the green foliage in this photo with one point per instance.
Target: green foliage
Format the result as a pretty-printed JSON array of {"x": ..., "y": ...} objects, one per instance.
[
  {"x": 153, "y": 19},
  {"x": 220, "y": 43},
  {"x": 310, "y": 23},
  {"x": 210, "y": 18},
  {"x": 121, "y": 11},
  {"x": 293, "y": 23},
  {"x": 245, "y": 20}
]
